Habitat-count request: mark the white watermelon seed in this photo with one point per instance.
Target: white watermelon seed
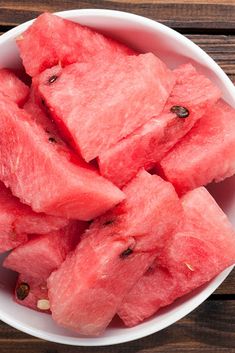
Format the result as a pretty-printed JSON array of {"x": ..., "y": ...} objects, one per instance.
[
  {"x": 189, "y": 267},
  {"x": 43, "y": 304}
]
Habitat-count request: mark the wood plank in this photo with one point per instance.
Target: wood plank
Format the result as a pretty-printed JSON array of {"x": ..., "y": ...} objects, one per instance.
[
  {"x": 220, "y": 47},
  {"x": 184, "y": 14},
  {"x": 228, "y": 286},
  {"x": 208, "y": 329}
]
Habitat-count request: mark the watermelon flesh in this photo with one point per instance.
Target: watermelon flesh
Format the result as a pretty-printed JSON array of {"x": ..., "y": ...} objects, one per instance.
[
  {"x": 17, "y": 219},
  {"x": 38, "y": 112},
  {"x": 64, "y": 42},
  {"x": 135, "y": 87},
  {"x": 43, "y": 176},
  {"x": 87, "y": 289},
  {"x": 198, "y": 252},
  {"x": 148, "y": 144},
  {"x": 12, "y": 87},
  {"x": 31, "y": 293},
  {"x": 206, "y": 153},
  {"x": 43, "y": 254},
  {"x": 35, "y": 108}
]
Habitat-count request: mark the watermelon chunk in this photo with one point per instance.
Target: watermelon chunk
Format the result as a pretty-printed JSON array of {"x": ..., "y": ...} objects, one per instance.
[
  {"x": 43, "y": 176},
  {"x": 83, "y": 96},
  {"x": 87, "y": 289},
  {"x": 31, "y": 293},
  {"x": 13, "y": 87},
  {"x": 44, "y": 253},
  {"x": 198, "y": 252},
  {"x": 206, "y": 153},
  {"x": 63, "y": 42},
  {"x": 38, "y": 114},
  {"x": 148, "y": 144},
  {"x": 17, "y": 219}
]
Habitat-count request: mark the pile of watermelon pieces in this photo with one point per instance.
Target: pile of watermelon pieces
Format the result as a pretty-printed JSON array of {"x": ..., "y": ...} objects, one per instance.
[{"x": 103, "y": 163}]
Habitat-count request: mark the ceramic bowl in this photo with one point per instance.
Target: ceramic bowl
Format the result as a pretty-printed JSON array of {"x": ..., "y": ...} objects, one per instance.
[{"x": 145, "y": 35}]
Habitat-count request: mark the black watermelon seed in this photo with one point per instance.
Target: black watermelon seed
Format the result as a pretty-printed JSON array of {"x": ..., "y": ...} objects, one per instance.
[
  {"x": 108, "y": 222},
  {"x": 52, "y": 79},
  {"x": 180, "y": 111},
  {"x": 150, "y": 271},
  {"x": 22, "y": 291},
  {"x": 126, "y": 253},
  {"x": 52, "y": 140}
]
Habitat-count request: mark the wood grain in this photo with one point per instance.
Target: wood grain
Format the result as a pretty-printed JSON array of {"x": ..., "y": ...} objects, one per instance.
[
  {"x": 221, "y": 48},
  {"x": 208, "y": 329},
  {"x": 177, "y": 14},
  {"x": 228, "y": 286}
]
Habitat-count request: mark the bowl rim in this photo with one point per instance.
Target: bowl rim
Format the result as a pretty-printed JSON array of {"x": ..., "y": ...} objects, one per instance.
[{"x": 147, "y": 327}]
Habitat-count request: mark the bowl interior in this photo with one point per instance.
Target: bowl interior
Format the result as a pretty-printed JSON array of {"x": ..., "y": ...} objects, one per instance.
[{"x": 144, "y": 35}]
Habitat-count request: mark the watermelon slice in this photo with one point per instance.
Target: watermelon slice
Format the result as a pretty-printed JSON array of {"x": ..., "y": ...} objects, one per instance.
[
  {"x": 207, "y": 153},
  {"x": 31, "y": 293},
  {"x": 13, "y": 87},
  {"x": 83, "y": 96},
  {"x": 38, "y": 114},
  {"x": 44, "y": 176},
  {"x": 63, "y": 42},
  {"x": 17, "y": 219},
  {"x": 203, "y": 248},
  {"x": 87, "y": 289},
  {"x": 148, "y": 144},
  {"x": 43, "y": 254}
]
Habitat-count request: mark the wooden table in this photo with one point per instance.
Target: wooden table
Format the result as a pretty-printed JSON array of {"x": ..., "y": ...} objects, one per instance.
[{"x": 210, "y": 24}]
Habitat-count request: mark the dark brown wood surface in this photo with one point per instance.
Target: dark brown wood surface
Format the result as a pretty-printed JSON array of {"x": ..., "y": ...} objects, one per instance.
[{"x": 211, "y": 25}]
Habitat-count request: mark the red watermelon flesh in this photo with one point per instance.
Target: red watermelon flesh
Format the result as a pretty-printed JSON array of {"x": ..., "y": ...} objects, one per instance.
[
  {"x": 17, "y": 220},
  {"x": 203, "y": 248},
  {"x": 38, "y": 112},
  {"x": 42, "y": 176},
  {"x": 8, "y": 238},
  {"x": 126, "y": 216},
  {"x": 31, "y": 293},
  {"x": 206, "y": 153},
  {"x": 148, "y": 144},
  {"x": 87, "y": 289},
  {"x": 13, "y": 87},
  {"x": 83, "y": 97},
  {"x": 35, "y": 109},
  {"x": 43, "y": 254},
  {"x": 58, "y": 41}
]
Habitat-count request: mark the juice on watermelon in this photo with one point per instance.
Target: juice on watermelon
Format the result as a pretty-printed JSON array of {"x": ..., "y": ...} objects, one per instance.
[
  {"x": 148, "y": 144},
  {"x": 204, "y": 246},
  {"x": 101, "y": 101},
  {"x": 113, "y": 255},
  {"x": 63, "y": 42},
  {"x": 43, "y": 176},
  {"x": 206, "y": 153}
]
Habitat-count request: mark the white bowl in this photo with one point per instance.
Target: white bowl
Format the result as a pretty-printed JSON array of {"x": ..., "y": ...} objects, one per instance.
[{"x": 145, "y": 35}]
